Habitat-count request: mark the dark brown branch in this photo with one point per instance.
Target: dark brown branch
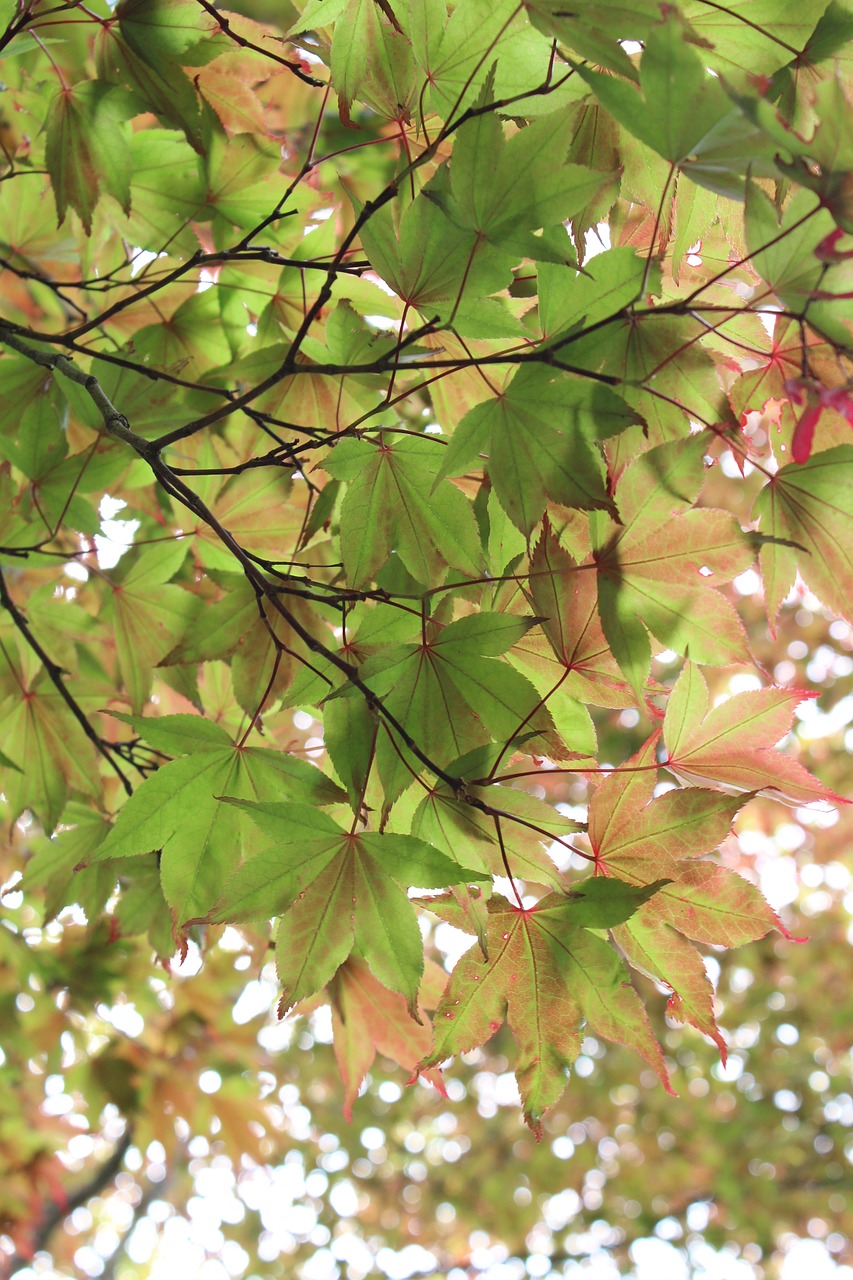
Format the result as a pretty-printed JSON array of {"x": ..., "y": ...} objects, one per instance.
[
  {"x": 183, "y": 494},
  {"x": 295, "y": 67},
  {"x": 9, "y": 331},
  {"x": 116, "y": 424},
  {"x": 56, "y": 676}
]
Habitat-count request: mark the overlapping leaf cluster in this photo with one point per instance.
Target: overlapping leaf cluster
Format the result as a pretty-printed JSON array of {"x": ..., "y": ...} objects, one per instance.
[{"x": 404, "y": 458}]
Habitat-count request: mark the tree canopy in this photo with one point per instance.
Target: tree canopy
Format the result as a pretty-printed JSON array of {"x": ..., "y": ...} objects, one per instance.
[{"x": 426, "y": 482}]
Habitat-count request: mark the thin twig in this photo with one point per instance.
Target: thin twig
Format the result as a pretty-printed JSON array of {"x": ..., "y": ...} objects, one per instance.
[{"x": 56, "y": 676}]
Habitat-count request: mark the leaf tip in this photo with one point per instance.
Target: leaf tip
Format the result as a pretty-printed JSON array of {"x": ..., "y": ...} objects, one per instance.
[{"x": 535, "y": 1125}]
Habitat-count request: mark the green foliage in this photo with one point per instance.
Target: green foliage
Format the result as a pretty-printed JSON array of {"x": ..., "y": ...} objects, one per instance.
[{"x": 435, "y": 511}]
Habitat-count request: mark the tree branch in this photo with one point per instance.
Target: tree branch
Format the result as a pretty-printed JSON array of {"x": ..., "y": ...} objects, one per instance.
[
  {"x": 55, "y": 675},
  {"x": 54, "y": 1213},
  {"x": 115, "y": 423}
]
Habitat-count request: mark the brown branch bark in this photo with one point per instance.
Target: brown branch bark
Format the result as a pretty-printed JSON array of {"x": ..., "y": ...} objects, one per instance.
[{"x": 56, "y": 675}]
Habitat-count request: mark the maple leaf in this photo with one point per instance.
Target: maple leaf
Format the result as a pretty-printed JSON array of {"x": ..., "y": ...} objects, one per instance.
[
  {"x": 122, "y": 57},
  {"x": 368, "y": 1019},
  {"x": 547, "y": 973},
  {"x": 148, "y": 615},
  {"x": 389, "y": 507},
  {"x": 657, "y": 568},
  {"x": 88, "y": 148},
  {"x": 806, "y": 510},
  {"x": 264, "y": 510},
  {"x": 335, "y": 891},
  {"x": 55, "y": 858},
  {"x": 177, "y": 811},
  {"x": 642, "y": 839},
  {"x": 539, "y": 436},
  {"x": 754, "y": 44},
  {"x": 662, "y": 369},
  {"x": 567, "y": 300},
  {"x": 166, "y": 29},
  {"x": 502, "y": 191},
  {"x": 670, "y": 72},
  {"x": 598, "y": 35},
  {"x": 452, "y": 693},
  {"x": 509, "y": 830},
  {"x": 436, "y": 267},
  {"x": 55, "y": 756},
  {"x": 781, "y": 357},
  {"x": 409, "y": 493},
  {"x": 785, "y": 252},
  {"x": 234, "y": 101},
  {"x": 262, "y": 650},
  {"x": 733, "y": 745},
  {"x": 565, "y": 597},
  {"x": 371, "y": 58},
  {"x": 461, "y": 51}
]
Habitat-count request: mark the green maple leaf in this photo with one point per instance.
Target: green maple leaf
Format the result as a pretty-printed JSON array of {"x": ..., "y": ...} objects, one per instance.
[
  {"x": 596, "y": 30},
  {"x": 54, "y": 859},
  {"x": 439, "y": 268},
  {"x": 502, "y": 191},
  {"x": 141, "y": 907},
  {"x": 808, "y": 508},
  {"x": 539, "y": 438},
  {"x": 236, "y": 175},
  {"x": 829, "y": 147},
  {"x": 232, "y": 628},
  {"x": 611, "y": 282},
  {"x": 833, "y": 30},
  {"x": 683, "y": 114},
  {"x": 88, "y": 148},
  {"x": 667, "y": 375},
  {"x": 179, "y": 735},
  {"x": 191, "y": 341},
  {"x": 458, "y": 53},
  {"x": 547, "y": 974},
  {"x": 570, "y": 647},
  {"x": 656, "y": 569},
  {"x": 677, "y": 105},
  {"x": 397, "y": 502},
  {"x": 147, "y": 615},
  {"x": 527, "y": 826},
  {"x": 753, "y": 36},
  {"x": 170, "y": 29},
  {"x": 336, "y": 891},
  {"x": 159, "y": 82},
  {"x": 785, "y": 251},
  {"x": 452, "y": 694},
  {"x": 50, "y": 753},
  {"x": 263, "y": 510},
  {"x": 372, "y": 61},
  {"x": 32, "y": 418},
  {"x": 411, "y": 521},
  {"x": 177, "y": 811},
  {"x": 349, "y": 730}
]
